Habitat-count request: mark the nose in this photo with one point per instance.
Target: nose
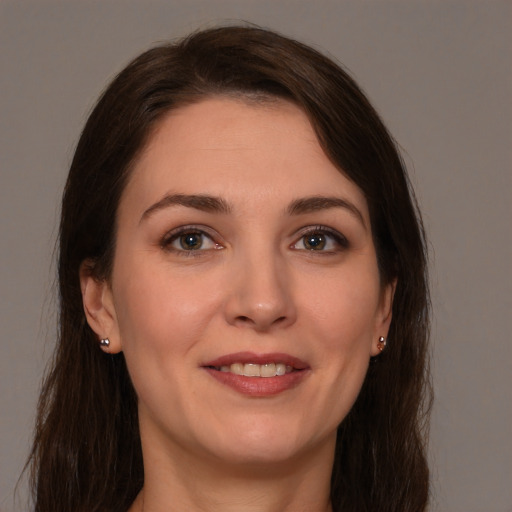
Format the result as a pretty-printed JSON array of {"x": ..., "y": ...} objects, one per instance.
[{"x": 261, "y": 294}]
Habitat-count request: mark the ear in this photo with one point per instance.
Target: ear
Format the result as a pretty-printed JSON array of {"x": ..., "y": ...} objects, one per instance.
[
  {"x": 383, "y": 318},
  {"x": 99, "y": 308}
]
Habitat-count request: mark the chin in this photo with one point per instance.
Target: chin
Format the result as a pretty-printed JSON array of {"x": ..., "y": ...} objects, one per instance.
[{"x": 266, "y": 445}]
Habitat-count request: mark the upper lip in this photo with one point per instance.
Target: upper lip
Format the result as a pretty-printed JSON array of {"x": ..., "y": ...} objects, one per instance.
[{"x": 252, "y": 357}]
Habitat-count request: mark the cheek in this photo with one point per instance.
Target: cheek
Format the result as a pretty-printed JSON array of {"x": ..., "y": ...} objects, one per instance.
[
  {"x": 160, "y": 311},
  {"x": 342, "y": 318},
  {"x": 161, "y": 319},
  {"x": 154, "y": 310},
  {"x": 345, "y": 309}
]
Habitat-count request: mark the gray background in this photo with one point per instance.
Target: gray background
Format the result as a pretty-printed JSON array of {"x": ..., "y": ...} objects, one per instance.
[{"x": 440, "y": 74}]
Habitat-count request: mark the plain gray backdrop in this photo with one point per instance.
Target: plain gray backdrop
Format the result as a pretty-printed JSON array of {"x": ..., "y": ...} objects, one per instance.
[{"x": 440, "y": 74}]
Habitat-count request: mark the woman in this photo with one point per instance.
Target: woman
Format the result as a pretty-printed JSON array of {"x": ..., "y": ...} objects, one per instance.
[{"x": 238, "y": 241}]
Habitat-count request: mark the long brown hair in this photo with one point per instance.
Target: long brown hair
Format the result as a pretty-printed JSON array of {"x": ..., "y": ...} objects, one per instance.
[{"x": 86, "y": 455}]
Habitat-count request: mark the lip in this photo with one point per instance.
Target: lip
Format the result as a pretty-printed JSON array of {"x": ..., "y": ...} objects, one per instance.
[
  {"x": 251, "y": 357},
  {"x": 258, "y": 386}
]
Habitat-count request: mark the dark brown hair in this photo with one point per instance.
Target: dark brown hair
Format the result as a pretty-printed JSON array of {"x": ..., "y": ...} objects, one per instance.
[{"x": 86, "y": 455}]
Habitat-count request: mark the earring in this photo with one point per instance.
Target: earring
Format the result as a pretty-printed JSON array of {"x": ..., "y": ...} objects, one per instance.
[
  {"x": 105, "y": 343},
  {"x": 381, "y": 343}
]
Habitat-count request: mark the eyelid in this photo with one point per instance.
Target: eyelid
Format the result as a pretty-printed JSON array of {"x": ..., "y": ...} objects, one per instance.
[
  {"x": 172, "y": 235},
  {"x": 340, "y": 239}
]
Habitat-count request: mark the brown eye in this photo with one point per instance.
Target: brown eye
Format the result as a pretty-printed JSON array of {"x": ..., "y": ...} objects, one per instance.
[
  {"x": 321, "y": 239},
  {"x": 191, "y": 241},
  {"x": 314, "y": 241},
  {"x": 188, "y": 240}
]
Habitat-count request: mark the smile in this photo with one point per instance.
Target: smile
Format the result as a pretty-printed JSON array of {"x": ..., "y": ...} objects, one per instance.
[
  {"x": 258, "y": 375},
  {"x": 256, "y": 370}
]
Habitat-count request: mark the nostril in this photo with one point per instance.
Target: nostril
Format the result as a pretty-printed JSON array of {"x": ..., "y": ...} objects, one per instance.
[{"x": 246, "y": 319}]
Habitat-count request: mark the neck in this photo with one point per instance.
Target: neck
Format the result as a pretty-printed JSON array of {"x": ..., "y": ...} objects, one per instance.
[{"x": 177, "y": 481}]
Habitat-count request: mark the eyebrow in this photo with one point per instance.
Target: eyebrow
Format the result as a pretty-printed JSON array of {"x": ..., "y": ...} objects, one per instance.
[
  {"x": 213, "y": 204},
  {"x": 198, "y": 201},
  {"x": 316, "y": 203}
]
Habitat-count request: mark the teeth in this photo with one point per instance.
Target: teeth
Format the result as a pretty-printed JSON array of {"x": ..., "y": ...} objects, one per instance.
[
  {"x": 280, "y": 369},
  {"x": 268, "y": 370},
  {"x": 237, "y": 368},
  {"x": 252, "y": 370},
  {"x": 257, "y": 370}
]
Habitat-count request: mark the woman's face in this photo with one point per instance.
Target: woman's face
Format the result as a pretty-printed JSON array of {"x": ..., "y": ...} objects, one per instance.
[{"x": 245, "y": 292}]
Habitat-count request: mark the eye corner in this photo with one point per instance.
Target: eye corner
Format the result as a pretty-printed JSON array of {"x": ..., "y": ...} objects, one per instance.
[
  {"x": 322, "y": 240},
  {"x": 189, "y": 240}
]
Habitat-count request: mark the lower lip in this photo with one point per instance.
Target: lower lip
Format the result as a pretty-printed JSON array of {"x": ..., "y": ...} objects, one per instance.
[{"x": 259, "y": 386}]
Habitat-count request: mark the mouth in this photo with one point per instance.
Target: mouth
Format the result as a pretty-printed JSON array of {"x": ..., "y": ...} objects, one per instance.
[
  {"x": 250, "y": 364},
  {"x": 258, "y": 374},
  {"x": 266, "y": 370}
]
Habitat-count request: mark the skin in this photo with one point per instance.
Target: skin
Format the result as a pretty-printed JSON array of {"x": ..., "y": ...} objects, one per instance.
[{"x": 254, "y": 285}]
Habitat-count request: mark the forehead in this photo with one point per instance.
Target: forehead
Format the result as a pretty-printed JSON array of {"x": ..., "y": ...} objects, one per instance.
[{"x": 236, "y": 149}]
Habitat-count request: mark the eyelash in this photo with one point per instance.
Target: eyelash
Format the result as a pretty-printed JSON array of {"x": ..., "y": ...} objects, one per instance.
[
  {"x": 176, "y": 234},
  {"x": 321, "y": 231}
]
